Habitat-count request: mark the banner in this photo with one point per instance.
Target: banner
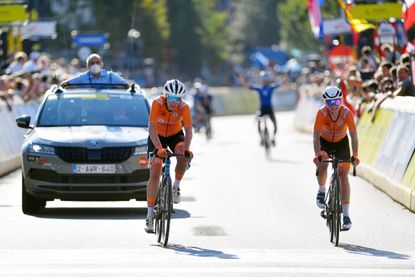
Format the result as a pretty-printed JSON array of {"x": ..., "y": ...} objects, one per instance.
[
  {"x": 39, "y": 29},
  {"x": 336, "y": 26},
  {"x": 12, "y": 13},
  {"x": 377, "y": 12}
]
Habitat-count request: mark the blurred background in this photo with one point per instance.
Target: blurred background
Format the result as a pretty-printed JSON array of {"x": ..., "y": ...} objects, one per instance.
[{"x": 220, "y": 41}]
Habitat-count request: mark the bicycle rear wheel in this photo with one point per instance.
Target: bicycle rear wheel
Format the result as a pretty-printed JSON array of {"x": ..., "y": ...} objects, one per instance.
[
  {"x": 330, "y": 212},
  {"x": 166, "y": 208}
]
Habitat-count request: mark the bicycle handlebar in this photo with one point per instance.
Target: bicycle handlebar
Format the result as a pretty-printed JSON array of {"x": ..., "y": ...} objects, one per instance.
[
  {"x": 338, "y": 161},
  {"x": 171, "y": 154}
]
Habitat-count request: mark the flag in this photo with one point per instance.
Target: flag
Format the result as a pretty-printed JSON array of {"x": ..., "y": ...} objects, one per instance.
[
  {"x": 357, "y": 25},
  {"x": 316, "y": 20},
  {"x": 408, "y": 13}
]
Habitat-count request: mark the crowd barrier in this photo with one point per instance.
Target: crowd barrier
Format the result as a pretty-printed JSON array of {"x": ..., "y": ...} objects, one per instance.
[
  {"x": 226, "y": 101},
  {"x": 386, "y": 144},
  {"x": 11, "y": 137},
  {"x": 239, "y": 100}
]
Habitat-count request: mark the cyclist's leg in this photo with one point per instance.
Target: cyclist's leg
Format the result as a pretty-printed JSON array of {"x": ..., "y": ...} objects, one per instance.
[
  {"x": 343, "y": 152},
  {"x": 259, "y": 114},
  {"x": 176, "y": 143},
  {"x": 273, "y": 119},
  {"x": 322, "y": 175},
  {"x": 152, "y": 184}
]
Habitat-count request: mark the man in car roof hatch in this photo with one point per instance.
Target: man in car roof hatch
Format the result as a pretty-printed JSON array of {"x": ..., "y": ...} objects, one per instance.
[{"x": 96, "y": 74}]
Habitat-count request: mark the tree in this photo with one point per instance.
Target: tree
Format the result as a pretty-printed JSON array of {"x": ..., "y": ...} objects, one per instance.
[
  {"x": 184, "y": 44},
  {"x": 154, "y": 28},
  {"x": 255, "y": 24},
  {"x": 295, "y": 24},
  {"x": 212, "y": 31}
]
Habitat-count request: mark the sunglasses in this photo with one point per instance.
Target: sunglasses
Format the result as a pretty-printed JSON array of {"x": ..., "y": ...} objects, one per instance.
[
  {"x": 172, "y": 98},
  {"x": 333, "y": 102}
]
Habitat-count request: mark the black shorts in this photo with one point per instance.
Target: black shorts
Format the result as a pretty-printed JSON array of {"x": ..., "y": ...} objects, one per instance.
[
  {"x": 267, "y": 110},
  {"x": 341, "y": 148},
  {"x": 170, "y": 142}
]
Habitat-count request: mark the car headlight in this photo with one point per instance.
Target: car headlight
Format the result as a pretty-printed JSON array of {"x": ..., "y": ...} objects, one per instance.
[
  {"x": 41, "y": 149},
  {"x": 139, "y": 150}
]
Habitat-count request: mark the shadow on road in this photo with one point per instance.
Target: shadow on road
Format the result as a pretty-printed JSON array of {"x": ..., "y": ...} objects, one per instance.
[
  {"x": 200, "y": 252},
  {"x": 102, "y": 213},
  {"x": 273, "y": 160},
  {"x": 361, "y": 250}
]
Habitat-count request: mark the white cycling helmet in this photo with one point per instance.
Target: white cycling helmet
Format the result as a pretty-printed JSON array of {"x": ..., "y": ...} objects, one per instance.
[
  {"x": 332, "y": 92},
  {"x": 174, "y": 87}
]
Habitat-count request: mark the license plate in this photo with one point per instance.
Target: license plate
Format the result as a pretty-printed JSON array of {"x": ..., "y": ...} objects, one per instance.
[{"x": 93, "y": 168}]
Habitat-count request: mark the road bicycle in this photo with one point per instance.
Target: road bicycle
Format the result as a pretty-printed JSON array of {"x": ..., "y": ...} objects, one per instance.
[
  {"x": 333, "y": 206},
  {"x": 164, "y": 202},
  {"x": 264, "y": 134}
]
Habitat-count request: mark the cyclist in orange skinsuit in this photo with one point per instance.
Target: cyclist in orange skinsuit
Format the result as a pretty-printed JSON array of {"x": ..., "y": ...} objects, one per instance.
[
  {"x": 330, "y": 133},
  {"x": 168, "y": 116}
]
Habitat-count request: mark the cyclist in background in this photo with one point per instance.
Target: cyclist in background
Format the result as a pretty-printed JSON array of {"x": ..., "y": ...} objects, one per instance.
[
  {"x": 330, "y": 134},
  {"x": 265, "y": 91},
  {"x": 168, "y": 116},
  {"x": 202, "y": 103}
]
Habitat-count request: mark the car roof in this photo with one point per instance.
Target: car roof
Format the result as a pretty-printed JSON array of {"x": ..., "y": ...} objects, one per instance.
[{"x": 96, "y": 88}]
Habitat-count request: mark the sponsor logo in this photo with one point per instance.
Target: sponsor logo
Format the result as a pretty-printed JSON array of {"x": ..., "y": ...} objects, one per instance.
[
  {"x": 42, "y": 161},
  {"x": 94, "y": 143},
  {"x": 143, "y": 161},
  {"x": 175, "y": 114}
]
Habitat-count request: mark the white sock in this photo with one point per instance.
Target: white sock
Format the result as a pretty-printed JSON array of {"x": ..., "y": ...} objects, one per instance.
[
  {"x": 176, "y": 183},
  {"x": 150, "y": 211},
  {"x": 322, "y": 189},
  {"x": 345, "y": 209}
]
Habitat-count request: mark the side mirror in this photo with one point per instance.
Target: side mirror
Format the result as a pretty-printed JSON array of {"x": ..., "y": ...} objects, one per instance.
[{"x": 23, "y": 121}]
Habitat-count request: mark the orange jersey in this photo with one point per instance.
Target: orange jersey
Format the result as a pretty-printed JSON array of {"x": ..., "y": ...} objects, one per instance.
[
  {"x": 169, "y": 123},
  {"x": 334, "y": 130}
]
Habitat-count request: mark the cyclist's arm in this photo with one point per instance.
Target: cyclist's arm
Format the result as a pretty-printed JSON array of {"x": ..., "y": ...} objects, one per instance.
[
  {"x": 316, "y": 141},
  {"x": 353, "y": 134},
  {"x": 187, "y": 124},
  {"x": 355, "y": 144},
  {"x": 152, "y": 125},
  {"x": 318, "y": 123},
  {"x": 188, "y": 134},
  {"x": 152, "y": 130}
]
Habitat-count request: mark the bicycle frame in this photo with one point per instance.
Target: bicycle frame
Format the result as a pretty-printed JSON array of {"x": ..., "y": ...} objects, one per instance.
[
  {"x": 164, "y": 206},
  {"x": 264, "y": 132},
  {"x": 333, "y": 209}
]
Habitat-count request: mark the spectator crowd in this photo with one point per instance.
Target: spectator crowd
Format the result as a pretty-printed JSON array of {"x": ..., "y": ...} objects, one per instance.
[
  {"x": 26, "y": 78},
  {"x": 368, "y": 81}
]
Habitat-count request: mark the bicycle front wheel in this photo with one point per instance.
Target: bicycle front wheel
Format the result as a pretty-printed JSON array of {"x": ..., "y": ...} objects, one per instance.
[
  {"x": 336, "y": 212},
  {"x": 267, "y": 142},
  {"x": 166, "y": 208}
]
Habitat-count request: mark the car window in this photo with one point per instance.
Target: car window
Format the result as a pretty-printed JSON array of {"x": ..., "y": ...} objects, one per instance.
[{"x": 94, "y": 109}]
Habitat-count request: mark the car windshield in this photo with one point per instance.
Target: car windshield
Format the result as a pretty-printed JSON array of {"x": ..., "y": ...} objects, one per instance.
[{"x": 94, "y": 109}]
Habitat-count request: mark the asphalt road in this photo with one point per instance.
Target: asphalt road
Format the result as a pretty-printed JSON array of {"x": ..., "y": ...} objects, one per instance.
[{"x": 242, "y": 215}]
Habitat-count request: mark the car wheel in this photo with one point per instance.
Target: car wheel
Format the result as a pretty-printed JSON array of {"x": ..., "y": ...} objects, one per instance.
[{"x": 30, "y": 205}]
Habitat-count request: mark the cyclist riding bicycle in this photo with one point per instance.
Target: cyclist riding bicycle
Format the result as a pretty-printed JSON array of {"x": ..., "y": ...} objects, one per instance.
[
  {"x": 202, "y": 102},
  {"x": 265, "y": 92},
  {"x": 330, "y": 134},
  {"x": 168, "y": 116}
]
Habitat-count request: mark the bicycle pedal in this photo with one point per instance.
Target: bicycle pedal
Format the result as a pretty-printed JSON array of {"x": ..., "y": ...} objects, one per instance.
[{"x": 323, "y": 214}]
